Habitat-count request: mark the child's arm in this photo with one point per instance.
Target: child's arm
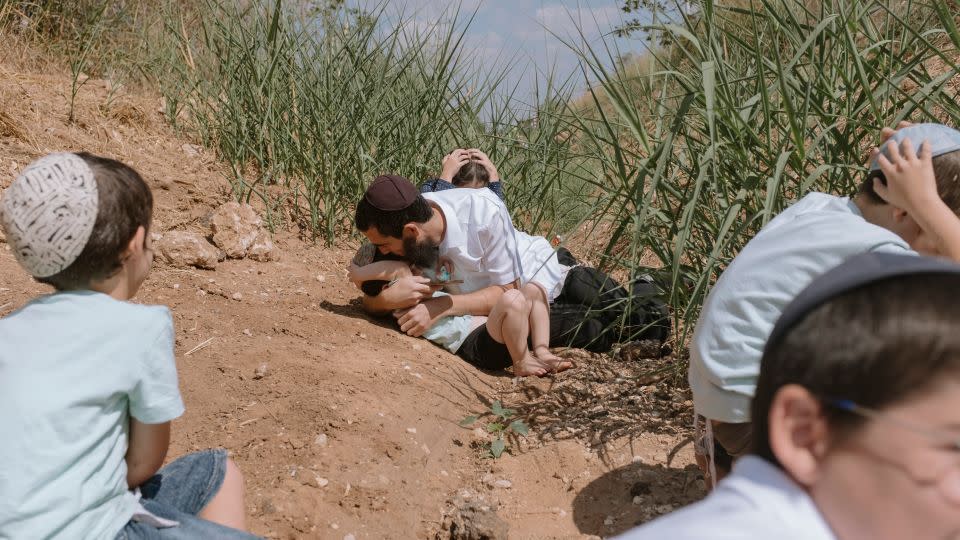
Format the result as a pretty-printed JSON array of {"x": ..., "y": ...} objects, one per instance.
[
  {"x": 912, "y": 186},
  {"x": 147, "y": 448},
  {"x": 382, "y": 270}
]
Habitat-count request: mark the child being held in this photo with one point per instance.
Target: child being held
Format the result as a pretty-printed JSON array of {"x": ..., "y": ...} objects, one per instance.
[{"x": 89, "y": 382}]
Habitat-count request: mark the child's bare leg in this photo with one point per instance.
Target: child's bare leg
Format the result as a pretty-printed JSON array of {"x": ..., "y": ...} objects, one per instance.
[
  {"x": 540, "y": 328},
  {"x": 227, "y": 506},
  {"x": 509, "y": 323}
]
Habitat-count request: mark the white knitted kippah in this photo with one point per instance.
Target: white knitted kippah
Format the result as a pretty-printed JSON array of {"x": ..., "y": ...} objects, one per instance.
[{"x": 49, "y": 211}]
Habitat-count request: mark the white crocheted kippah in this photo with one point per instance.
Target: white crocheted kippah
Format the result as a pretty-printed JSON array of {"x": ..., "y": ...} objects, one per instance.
[{"x": 49, "y": 211}]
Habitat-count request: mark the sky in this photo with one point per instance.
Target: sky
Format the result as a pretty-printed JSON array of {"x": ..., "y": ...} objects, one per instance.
[{"x": 526, "y": 34}]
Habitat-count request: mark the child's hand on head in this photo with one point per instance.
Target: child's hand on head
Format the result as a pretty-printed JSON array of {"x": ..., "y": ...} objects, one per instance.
[
  {"x": 452, "y": 163},
  {"x": 911, "y": 184},
  {"x": 482, "y": 158}
]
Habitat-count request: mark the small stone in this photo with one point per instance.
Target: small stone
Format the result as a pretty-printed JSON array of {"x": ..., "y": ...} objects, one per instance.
[
  {"x": 322, "y": 482},
  {"x": 503, "y": 484},
  {"x": 247, "y": 332},
  {"x": 237, "y": 296},
  {"x": 262, "y": 249},
  {"x": 185, "y": 248},
  {"x": 261, "y": 371},
  {"x": 237, "y": 231},
  {"x": 417, "y": 347},
  {"x": 638, "y": 500},
  {"x": 608, "y": 521},
  {"x": 349, "y": 537},
  {"x": 321, "y": 440},
  {"x": 321, "y": 277},
  {"x": 411, "y": 430},
  {"x": 361, "y": 335},
  {"x": 191, "y": 150}
]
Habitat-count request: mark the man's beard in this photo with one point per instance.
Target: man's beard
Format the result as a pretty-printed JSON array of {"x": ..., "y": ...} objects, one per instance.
[{"x": 425, "y": 254}]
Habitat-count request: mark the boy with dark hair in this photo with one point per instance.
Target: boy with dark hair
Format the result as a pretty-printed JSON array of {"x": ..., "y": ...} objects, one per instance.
[
  {"x": 815, "y": 234},
  {"x": 856, "y": 415},
  {"x": 89, "y": 380}
]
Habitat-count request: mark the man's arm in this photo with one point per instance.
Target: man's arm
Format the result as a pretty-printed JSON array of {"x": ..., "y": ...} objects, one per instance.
[
  {"x": 419, "y": 318},
  {"x": 404, "y": 293},
  {"x": 381, "y": 270},
  {"x": 912, "y": 186}
]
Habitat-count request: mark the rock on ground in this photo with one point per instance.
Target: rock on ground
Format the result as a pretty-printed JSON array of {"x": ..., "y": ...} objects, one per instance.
[
  {"x": 262, "y": 248},
  {"x": 470, "y": 517},
  {"x": 238, "y": 231},
  {"x": 185, "y": 248}
]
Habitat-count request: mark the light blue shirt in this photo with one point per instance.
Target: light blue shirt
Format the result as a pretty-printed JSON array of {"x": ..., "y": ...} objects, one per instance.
[
  {"x": 449, "y": 332},
  {"x": 74, "y": 366},
  {"x": 812, "y": 236}
]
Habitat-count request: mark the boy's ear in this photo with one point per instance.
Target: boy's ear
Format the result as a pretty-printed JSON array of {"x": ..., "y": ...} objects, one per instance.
[
  {"x": 137, "y": 243},
  {"x": 799, "y": 432}
]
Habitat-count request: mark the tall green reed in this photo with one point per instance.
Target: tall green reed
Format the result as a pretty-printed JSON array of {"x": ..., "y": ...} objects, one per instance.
[
  {"x": 746, "y": 108},
  {"x": 307, "y": 110}
]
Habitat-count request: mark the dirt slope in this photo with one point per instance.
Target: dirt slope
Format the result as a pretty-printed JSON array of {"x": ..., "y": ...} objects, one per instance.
[{"x": 353, "y": 430}]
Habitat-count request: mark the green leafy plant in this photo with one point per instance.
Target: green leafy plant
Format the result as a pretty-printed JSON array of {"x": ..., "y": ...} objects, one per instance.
[{"x": 498, "y": 423}]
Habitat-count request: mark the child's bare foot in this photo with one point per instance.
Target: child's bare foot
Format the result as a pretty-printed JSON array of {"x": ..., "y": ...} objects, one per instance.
[{"x": 543, "y": 363}]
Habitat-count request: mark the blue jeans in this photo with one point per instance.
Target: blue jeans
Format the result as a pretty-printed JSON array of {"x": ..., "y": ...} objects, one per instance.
[{"x": 179, "y": 492}]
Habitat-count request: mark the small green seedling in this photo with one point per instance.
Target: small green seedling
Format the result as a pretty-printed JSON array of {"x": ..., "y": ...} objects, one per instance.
[{"x": 500, "y": 425}]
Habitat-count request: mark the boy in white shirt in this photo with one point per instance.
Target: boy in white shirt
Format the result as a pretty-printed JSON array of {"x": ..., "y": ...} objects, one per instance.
[
  {"x": 815, "y": 234},
  {"x": 856, "y": 415},
  {"x": 88, "y": 381}
]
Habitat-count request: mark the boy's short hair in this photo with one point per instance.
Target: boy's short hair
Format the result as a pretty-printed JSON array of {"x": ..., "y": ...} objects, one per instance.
[
  {"x": 473, "y": 175},
  {"x": 874, "y": 345},
  {"x": 125, "y": 204},
  {"x": 944, "y": 144},
  {"x": 391, "y": 222}
]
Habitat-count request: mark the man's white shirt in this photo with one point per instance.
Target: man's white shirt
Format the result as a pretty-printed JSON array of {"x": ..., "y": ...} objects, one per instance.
[{"x": 486, "y": 250}]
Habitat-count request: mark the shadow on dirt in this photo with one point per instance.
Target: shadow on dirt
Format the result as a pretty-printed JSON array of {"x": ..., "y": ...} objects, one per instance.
[
  {"x": 354, "y": 310},
  {"x": 634, "y": 494}
]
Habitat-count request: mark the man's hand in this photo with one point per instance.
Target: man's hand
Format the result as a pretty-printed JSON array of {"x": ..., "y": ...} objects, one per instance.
[
  {"x": 418, "y": 319},
  {"x": 481, "y": 158},
  {"x": 911, "y": 184},
  {"x": 452, "y": 163},
  {"x": 405, "y": 292}
]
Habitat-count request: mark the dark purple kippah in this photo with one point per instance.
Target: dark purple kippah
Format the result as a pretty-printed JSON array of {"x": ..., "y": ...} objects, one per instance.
[{"x": 390, "y": 193}]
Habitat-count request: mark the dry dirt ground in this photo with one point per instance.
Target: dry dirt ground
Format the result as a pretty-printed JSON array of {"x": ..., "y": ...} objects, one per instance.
[{"x": 353, "y": 431}]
